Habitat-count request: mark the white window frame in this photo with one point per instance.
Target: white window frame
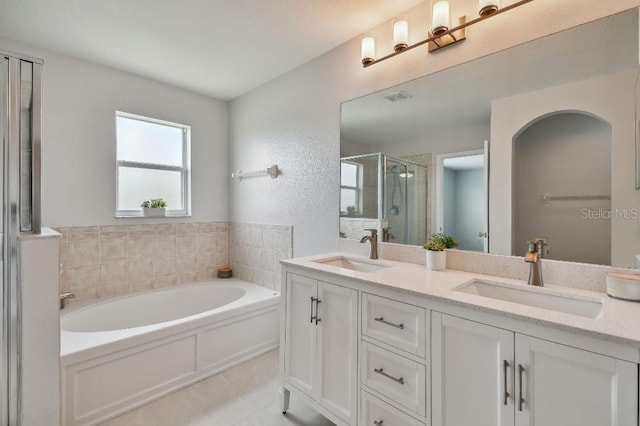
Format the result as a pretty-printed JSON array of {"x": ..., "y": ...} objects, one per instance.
[
  {"x": 358, "y": 188},
  {"x": 184, "y": 169}
]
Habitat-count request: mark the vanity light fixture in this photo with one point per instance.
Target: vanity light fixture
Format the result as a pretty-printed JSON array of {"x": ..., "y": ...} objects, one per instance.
[{"x": 440, "y": 35}]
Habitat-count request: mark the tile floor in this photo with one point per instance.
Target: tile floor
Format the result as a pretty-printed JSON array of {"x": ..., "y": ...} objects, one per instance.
[{"x": 245, "y": 395}]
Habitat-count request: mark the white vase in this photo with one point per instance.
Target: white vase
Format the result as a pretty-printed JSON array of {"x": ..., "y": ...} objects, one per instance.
[
  {"x": 436, "y": 260},
  {"x": 157, "y": 212}
]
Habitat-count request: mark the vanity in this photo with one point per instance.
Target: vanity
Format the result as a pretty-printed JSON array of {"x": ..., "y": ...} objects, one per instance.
[{"x": 388, "y": 343}]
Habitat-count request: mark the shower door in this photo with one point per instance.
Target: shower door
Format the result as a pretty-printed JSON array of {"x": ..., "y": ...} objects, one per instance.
[{"x": 20, "y": 124}]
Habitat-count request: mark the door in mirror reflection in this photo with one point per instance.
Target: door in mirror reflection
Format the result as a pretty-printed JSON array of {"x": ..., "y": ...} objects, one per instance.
[{"x": 462, "y": 187}]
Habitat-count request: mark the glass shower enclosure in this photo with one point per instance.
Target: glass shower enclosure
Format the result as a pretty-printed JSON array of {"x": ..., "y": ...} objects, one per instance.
[
  {"x": 20, "y": 124},
  {"x": 381, "y": 192}
]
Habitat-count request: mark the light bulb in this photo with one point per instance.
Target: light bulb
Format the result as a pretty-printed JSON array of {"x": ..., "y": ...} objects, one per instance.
[
  {"x": 487, "y": 7},
  {"x": 368, "y": 50},
  {"x": 400, "y": 35},
  {"x": 440, "y": 17}
]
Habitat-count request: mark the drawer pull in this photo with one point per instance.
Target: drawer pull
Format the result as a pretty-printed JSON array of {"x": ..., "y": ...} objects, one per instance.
[
  {"x": 313, "y": 299},
  {"x": 381, "y": 319},
  {"x": 378, "y": 422},
  {"x": 381, "y": 371},
  {"x": 521, "y": 399},
  {"x": 505, "y": 366}
]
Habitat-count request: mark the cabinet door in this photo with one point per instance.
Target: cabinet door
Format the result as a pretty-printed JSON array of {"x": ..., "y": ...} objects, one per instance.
[
  {"x": 469, "y": 373},
  {"x": 300, "y": 332},
  {"x": 337, "y": 350},
  {"x": 563, "y": 386}
]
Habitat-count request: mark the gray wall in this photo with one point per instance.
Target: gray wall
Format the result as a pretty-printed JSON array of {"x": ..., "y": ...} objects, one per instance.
[
  {"x": 463, "y": 200},
  {"x": 564, "y": 154}
]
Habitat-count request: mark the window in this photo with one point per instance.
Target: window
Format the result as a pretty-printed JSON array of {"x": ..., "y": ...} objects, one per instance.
[
  {"x": 350, "y": 188},
  {"x": 152, "y": 161}
]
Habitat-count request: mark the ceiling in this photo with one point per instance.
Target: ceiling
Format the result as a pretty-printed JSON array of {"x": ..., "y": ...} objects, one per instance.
[
  {"x": 220, "y": 48},
  {"x": 463, "y": 94}
]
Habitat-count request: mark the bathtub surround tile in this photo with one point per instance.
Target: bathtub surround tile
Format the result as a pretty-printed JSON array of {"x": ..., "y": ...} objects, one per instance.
[
  {"x": 165, "y": 245},
  {"x": 255, "y": 251},
  {"x": 83, "y": 281},
  {"x": 113, "y": 246},
  {"x": 113, "y": 274},
  {"x": 84, "y": 251},
  {"x": 206, "y": 242},
  {"x": 140, "y": 247},
  {"x": 186, "y": 244},
  {"x": 112, "y": 260},
  {"x": 163, "y": 266}
]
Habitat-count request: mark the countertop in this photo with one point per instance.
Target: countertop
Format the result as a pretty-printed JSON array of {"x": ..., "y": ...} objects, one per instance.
[{"x": 618, "y": 321}]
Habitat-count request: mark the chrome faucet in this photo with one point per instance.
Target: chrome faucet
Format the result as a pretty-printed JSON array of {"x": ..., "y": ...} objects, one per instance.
[
  {"x": 64, "y": 297},
  {"x": 536, "y": 251},
  {"x": 373, "y": 239}
]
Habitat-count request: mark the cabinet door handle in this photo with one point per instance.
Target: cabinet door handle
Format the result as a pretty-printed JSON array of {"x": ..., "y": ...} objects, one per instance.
[
  {"x": 381, "y": 319},
  {"x": 505, "y": 369},
  {"x": 381, "y": 371},
  {"x": 521, "y": 399},
  {"x": 378, "y": 422},
  {"x": 317, "y": 316},
  {"x": 313, "y": 299}
]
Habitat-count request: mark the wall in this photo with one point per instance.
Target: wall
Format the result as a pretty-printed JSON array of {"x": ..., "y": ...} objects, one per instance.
[
  {"x": 294, "y": 120},
  {"x": 564, "y": 154},
  {"x": 79, "y": 149},
  {"x": 612, "y": 99},
  {"x": 469, "y": 209}
]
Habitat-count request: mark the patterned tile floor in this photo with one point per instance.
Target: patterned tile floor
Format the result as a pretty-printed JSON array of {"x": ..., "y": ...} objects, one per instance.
[{"x": 245, "y": 395}]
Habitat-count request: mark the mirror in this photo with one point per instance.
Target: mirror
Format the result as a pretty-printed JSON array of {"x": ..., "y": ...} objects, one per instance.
[{"x": 535, "y": 141}]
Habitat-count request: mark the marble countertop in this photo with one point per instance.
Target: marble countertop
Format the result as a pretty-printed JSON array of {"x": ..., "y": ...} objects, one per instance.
[{"x": 619, "y": 320}]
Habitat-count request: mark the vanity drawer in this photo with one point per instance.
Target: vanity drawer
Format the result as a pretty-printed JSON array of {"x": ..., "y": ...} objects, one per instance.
[
  {"x": 395, "y": 323},
  {"x": 374, "y": 411},
  {"x": 394, "y": 376}
]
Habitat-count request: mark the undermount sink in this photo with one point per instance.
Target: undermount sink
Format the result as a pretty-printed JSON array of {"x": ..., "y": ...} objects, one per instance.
[
  {"x": 352, "y": 264},
  {"x": 536, "y": 297}
]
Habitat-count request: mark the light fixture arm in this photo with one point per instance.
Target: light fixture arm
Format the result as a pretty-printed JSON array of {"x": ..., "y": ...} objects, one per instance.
[{"x": 450, "y": 32}]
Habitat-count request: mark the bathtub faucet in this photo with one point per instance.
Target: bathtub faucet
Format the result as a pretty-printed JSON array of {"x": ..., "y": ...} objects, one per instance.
[{"x": 64, "y": 297}]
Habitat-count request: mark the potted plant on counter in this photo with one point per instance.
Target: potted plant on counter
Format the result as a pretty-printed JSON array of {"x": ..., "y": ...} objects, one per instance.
[
  {"x": 436, "y": 254},
  {"x": 155, "y": 207}
]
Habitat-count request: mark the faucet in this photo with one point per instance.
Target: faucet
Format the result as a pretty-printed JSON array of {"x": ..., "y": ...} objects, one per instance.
[
  {"x": 373, "y": 239},
  {"x": 536, "y": 251},
  {"x": 386, "y": 235},
  {"x": 64, "y": 297}
]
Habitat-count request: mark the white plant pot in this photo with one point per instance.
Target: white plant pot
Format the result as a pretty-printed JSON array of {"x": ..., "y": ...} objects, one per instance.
[
  {"x": 157, "y": 212},
  {"x": 436, "y": 260}
]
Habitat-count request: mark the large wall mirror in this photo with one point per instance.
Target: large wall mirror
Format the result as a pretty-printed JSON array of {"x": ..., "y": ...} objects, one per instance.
[{"x": 535, "y": 141}]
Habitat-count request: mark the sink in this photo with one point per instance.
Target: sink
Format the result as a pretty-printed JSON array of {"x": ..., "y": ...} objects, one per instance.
[
  {"x": 536, "y": 297},
  {"x": 359, "y": 265}
]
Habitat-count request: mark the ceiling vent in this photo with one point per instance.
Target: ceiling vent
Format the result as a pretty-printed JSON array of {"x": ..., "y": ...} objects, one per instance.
[{"x": 396, "y": 96}]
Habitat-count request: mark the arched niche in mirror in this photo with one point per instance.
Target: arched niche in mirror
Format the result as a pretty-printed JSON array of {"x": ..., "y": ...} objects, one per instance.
[{"x": 562, "y": 186}]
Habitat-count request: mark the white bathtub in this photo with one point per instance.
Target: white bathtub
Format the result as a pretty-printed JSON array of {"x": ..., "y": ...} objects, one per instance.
[{"x": 121, "y": 353}]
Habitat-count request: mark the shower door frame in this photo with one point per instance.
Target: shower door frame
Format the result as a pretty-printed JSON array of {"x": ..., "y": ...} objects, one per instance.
[{"x": 10, "y": 296}]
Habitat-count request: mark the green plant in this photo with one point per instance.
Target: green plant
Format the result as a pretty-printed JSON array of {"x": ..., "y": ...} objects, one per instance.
[
  {"x": 154, "y": 203},
  {"x": 440, "y": 241}
]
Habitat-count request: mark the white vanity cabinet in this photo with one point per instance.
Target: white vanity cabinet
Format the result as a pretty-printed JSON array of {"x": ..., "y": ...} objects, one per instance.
[
  {"x": 484, "y": 375},
  {"x": 320, "y": 345}
]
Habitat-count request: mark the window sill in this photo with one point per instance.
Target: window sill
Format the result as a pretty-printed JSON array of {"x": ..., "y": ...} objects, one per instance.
[{"x": 139, "y": 216}]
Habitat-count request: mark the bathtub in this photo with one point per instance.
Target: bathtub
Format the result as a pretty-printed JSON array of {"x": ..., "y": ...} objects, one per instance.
[{"x": 124, "y": 352}]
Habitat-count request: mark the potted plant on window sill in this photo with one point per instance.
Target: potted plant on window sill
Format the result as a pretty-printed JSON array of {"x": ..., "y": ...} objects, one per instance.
[
  {"x": 155, "y": 207},
  {"x": 436, "y": 254}
]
